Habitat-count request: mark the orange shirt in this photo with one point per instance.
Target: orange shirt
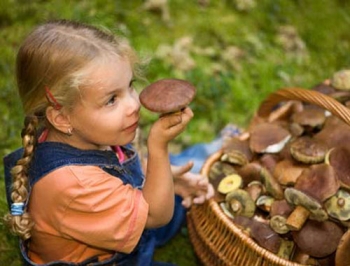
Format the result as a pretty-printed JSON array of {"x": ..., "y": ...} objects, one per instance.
[{"x": 82, "y": 211}]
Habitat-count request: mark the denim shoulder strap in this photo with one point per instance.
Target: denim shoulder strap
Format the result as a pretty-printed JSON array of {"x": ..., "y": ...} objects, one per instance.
[{"x": 49, "y": 156}]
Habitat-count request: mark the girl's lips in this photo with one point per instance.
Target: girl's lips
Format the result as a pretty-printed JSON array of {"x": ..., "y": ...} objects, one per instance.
[{"x": 133, "y": 127}]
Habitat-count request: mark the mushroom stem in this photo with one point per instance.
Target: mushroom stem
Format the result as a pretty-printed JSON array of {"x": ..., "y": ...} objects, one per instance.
[
  {"x": 297, "y": 218},
  {"x": 172, "y": 113}
]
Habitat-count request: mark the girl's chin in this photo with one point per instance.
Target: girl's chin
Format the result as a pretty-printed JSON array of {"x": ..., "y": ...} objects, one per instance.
[{"x": 126, "y": 141}]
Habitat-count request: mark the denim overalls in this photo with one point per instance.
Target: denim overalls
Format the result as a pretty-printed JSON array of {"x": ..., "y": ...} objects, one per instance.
[{"x": 49, "y": 156}]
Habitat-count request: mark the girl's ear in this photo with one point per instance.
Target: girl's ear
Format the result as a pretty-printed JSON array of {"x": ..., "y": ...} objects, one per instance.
[{"x": 58, "y": 119}]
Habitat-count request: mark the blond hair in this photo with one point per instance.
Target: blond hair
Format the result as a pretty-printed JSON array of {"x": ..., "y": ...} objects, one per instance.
[{"x": 54, "y": 56}]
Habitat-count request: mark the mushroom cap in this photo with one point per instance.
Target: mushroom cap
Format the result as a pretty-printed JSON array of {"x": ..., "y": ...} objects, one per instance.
[
  {"x": 260, "y": 232},
  {"x": 268, "y": 137},
  {"x": 313, "y": 117},
  {"x": 342, "y": 255},
  {"x": 318, "y": 181},
  {"x": 250, "y": 172},
  {"x": 281, "y": 207},
  {"x": 335, "y": 132},
  {"x": 237, "y": 151},
  {"x": 324, "y": 87},
  {"x": 167, "y": 95},
  {"x": 255, "y": 189},
  {"x": 295, "y": 129},
  {"x": 219, "y": 168},
  {"x": 287, "y": 172},
  {"x": 339, "y": 158},
  {"x": 308, "y": 150},
  {"x": 266, "y": 237},
  {"x": 269, "y": 161},
  {"x": 318, "y": 239},
  {"x": 284, "y": 110}
]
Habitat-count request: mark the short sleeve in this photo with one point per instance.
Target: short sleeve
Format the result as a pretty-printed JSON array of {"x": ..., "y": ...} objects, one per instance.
[{"x": 102, "y": 211}]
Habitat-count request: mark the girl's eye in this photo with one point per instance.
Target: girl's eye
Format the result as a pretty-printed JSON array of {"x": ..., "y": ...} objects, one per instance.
[{"x": 111, "y": 100}]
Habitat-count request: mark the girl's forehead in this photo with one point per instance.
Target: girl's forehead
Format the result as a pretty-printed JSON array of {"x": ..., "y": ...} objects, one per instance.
[{"x": 110, "y": 74}]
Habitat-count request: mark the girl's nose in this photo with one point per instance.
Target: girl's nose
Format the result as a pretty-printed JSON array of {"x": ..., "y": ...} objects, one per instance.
[{"x": 134, "y": 103}]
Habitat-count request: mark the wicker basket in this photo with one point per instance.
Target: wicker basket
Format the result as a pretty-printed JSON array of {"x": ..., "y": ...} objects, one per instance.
[{"x": 215, "y": 238}]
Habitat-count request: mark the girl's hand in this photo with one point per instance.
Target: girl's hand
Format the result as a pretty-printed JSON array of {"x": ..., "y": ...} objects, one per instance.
[
  {"x": 193, "y": 188},
  {"x": 169, "y": 126}
]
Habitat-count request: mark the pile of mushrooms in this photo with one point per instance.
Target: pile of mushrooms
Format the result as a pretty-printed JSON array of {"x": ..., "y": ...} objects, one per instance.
[{"x": 286, "y": 180}]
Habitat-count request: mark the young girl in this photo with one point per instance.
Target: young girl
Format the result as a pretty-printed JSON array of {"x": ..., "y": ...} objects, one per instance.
[{"x": 78, "y": 194}]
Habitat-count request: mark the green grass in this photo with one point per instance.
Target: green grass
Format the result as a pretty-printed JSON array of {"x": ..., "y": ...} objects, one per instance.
[{"x": 229, "y": 90}]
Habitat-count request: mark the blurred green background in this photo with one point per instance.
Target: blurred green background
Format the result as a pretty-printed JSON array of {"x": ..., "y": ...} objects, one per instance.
[{"x": 235, "y": 52}]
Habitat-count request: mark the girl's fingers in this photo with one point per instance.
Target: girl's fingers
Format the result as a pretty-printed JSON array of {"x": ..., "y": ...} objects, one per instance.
[
  {"x": 199, "y": 200},
  {"x": 187, "y": 202},
  {"x": 210, "y": 192},
  {"x": 180, "y": 170}
]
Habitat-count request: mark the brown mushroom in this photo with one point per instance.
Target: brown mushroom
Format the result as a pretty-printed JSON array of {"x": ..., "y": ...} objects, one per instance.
[
  {"x": 237, "y": 152},
  {"x": 318, "y": 181},
  {"x": 260, "y": 232},
  {"x": 255, "y": 189},
  {"x": 269, "y": 161},
  {"x": 280, "y": 210},
  {"x": 339, "y": 159},
  {"x": 284, "y": 111},
  {"x": 268, "y": 138},
  {"x": 167, "y": 95},
  {"x": 303, "y": 258},
  {"x": 318, "y": 239},
  {"x": 217, "y": 172},
  {"x": 314, "y": 186},
  {"x": 219, "y": 168},
  {"x": 295, "y": 129},
  {"x": 310, "y": 118},
  {"x": 287, "y": 172},
  {"x": 280, "y": 207},
  {"x": 308, "y": 150},
  {"x": 334, "y": 133},
  {"x": 304, "y": 206},
  {"x": 250, "y": 172},
  {"x": 342, "y": 255},
  {"x": 324, "y": 87}
]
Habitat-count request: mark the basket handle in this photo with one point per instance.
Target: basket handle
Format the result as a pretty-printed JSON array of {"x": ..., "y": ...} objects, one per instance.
[{"x": 304, "y": 95}]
